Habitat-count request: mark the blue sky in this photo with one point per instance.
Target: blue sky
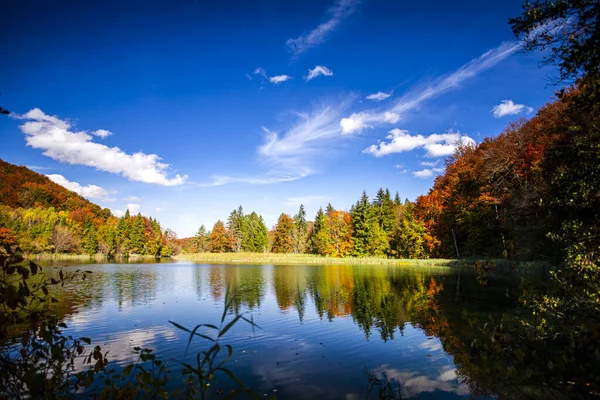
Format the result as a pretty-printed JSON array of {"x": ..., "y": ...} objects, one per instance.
[{"x": 186, "y": 109}]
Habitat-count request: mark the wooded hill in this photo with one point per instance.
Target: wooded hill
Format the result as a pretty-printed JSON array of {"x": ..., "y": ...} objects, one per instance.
[{"x": 38, "y": 215}]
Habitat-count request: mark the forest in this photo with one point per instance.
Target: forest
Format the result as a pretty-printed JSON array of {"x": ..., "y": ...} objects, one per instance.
[{"x": 40, "y": 216}]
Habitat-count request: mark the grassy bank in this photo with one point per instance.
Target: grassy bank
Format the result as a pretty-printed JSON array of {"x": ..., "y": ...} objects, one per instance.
[{"x": 274, "y": 258}]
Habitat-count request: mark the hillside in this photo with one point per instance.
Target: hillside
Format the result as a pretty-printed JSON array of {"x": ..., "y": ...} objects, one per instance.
[{"x": 24, "y": 188}]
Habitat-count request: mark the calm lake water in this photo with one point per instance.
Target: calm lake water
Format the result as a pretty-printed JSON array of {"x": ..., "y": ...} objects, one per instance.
[{"x": 320, "y": 326}]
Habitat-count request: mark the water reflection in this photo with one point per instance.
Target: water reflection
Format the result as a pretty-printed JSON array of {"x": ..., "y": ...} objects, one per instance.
[{"x": 320, "y": 324}]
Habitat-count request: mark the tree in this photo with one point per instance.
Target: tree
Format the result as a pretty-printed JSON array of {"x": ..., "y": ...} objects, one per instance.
[
  {"x": 568, "y": 28},
  {"x": 383, "y": 208},
  {"x": 329, "y": 209},
  {"x": 200, "y": 241},
  {"x": 90, "y": 238},
  {"x": 237, "y": 228},
  {"x": 377, "y": 241},
  {"x": 283, "y": 241},
  {"x": 218, "y": 241},
  {"x": 409, "y": 239},
  {"x": 319, "y": 240},
  {"x": 339, "y": 225},
  {"x": 363, "y": 220},
  {"x": 136, "y": 236},
  {"x": 397, "y": 199},
  {"x": 300, "y": 230},
  {"x": 256, "y": 238}
]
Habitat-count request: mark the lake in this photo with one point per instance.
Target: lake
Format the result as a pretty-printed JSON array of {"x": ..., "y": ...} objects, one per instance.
[{"x": 320, "y": 327}]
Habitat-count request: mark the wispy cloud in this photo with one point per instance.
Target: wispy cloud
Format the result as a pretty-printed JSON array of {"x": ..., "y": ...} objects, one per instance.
[
  {"x": 340, "y": 11},
  {"x": 318, "y": 70},
  {"x": 271, "y": 177},
  {"x": 415, "y": 97},
  {"x": 435, "y": 145},
  {"x": 93, "y": 192},
  {"x": 379, "y": 96},
  {"x": 297, "y": 201},
  {"x": 132, "y": 198},
  {"x": 293, "y": 153},
  {"x": 38, "y": 168},
  {"x": 311, "y": 135},
  {"x": 508, "y": 107},
  {"x": 261, "y": 72},
  {"x": 279, "y": 78},
  {"x": 61, "y": 143}
]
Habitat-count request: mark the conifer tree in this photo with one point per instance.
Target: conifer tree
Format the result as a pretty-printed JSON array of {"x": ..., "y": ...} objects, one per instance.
[
  {"x": 319, "y": 241},
  {"x": 362, "y": 221},
  {"x": 136, "y": 236},
  {"x": 90, "y": 238},
  {"x": 329, "y": 209},
  {"x": 259, "y": 240},
  {"x": 384, "y": 211},
  {"x": 200, "y": 241},
  {"x": 300, "y": 230},
  {"x": 397, "y": 199},
  {"x": 235, "y": 223}
]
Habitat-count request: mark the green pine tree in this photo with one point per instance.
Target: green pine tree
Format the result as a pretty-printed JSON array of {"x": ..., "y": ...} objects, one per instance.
[
  {"x": 300, "y": 230},
  {"x": 136, "y": 236},
  {"x": 362, "y": 221}
]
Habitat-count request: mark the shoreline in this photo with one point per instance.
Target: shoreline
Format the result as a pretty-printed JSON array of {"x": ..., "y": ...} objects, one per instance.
[{"x": 290, "y": 259}]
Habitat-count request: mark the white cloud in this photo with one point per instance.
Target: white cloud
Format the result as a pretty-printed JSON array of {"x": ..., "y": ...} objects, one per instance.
[
  {"x": 415, "y": 97},
  {"x": 357, "y": 122},
  {"x": 60, "y": 143},
  {"x": 341, "y": 10},
  {"x": 427, "y": 172},
  {"x": 132, "y": 198},
  {"x": 508, "y": 107},
  {"x": 133, "y": 208},
  {"x": 390, "y": 117},
  {"x": 379, "y": 96},
  {"x": 93, "y": 192},
  {"x": 318, "y": 70},
  {"x": 101, "y": 133},
  {"x": 160, "y": 209},
  {"x": 354, "y": 123},
  {"x": 279, "y": 78},
  {"x": 436, "y": 145},
  {"x": 429, "y": 163},
  {"x": 296, "y": 201}
]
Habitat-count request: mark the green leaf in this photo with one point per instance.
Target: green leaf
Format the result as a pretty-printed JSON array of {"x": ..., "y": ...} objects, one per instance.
[{"x": 127, "y": 370}]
